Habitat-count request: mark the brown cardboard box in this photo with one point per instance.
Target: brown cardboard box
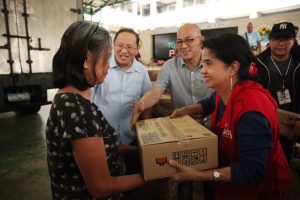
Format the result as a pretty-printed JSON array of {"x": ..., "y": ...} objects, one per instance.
[
  {"x": 284, "y": 115},
  {"x": 153, "y": 72},
  {"x": 181, "y": 139}
]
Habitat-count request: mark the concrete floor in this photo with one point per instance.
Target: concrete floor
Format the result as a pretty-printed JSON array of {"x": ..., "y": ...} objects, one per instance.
[{"x": 23, "y": 167}]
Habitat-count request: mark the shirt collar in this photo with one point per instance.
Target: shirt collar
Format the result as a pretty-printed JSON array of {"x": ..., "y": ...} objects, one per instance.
[
  {"x": 133, "y": 67},
  {"x": 183, "y": 64}
]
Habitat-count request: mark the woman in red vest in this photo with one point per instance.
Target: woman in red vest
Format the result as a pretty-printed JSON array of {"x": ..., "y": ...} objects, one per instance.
[{"x": 252, "y": 164}]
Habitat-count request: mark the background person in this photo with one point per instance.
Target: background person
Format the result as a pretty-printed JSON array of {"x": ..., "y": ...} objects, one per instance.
[
  {"x": 252, "y": 164},
  {"x": 182, "y": 75},
  {"x": 296, "y": 35},
  {"x": 253, "y": 38},
  {"x": 81, "y": 145},
  {"x": 280, "y": 73}
]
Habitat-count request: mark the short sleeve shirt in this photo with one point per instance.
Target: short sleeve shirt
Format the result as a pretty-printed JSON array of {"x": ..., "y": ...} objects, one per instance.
[
  {"x": 252, "y": 38},
  {"x": 73, "y": 117},
  {"x": 187, "y": 86}
]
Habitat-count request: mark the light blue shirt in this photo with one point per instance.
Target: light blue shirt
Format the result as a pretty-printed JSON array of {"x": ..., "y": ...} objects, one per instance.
[
  {"x": 253, "y": 38},
  {"x": 187, "y": 86},
  {"x": 116, "y": 95}
]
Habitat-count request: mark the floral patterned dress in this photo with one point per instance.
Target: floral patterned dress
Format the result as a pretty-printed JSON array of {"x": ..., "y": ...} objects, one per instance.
[{"x": 73, "y": 117}]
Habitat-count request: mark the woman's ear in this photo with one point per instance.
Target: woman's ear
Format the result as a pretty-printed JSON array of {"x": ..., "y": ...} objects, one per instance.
[
  {"x": 85, "y": 64},
  {"x": 234, "y": 68},
  {"x": 86, "y": 60}
]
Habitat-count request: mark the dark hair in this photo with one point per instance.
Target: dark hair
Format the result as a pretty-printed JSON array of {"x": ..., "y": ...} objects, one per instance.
[
  {"x": 68, "y": 61},
  {"x": 128, "y": 30},
  {"x": 230, "y": 47},
  {"x": 296, "y": 27}
]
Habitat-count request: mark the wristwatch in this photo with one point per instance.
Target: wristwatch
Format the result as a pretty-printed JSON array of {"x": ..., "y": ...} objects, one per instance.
[{"x": 217, "y": 175}]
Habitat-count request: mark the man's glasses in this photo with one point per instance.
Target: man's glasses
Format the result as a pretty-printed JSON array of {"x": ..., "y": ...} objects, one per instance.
[
  {"x": 127, "y": 47},
  {"x": 187, "y": 41}
]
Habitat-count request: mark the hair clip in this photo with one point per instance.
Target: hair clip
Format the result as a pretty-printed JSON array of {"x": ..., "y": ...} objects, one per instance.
[{"x": 252, "y": 68}]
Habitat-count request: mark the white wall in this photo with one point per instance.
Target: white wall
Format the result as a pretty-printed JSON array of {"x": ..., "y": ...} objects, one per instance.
[
  {"x": 48, "y": 19},
  {"x": 241, "y": 23}
]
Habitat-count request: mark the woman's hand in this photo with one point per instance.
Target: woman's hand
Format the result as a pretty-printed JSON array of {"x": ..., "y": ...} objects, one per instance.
[
  {"x": 186, "y": 173},
  {"x": 177, "y": 113},
  {"x": 183, "y": 172},
  {"x": 187, "y": 110}
]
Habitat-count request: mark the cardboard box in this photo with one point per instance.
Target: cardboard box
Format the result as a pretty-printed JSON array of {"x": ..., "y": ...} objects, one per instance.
[
  {"x": 284, "y": 115},
  {"x": 153, "y": 72},
  {"x": 181, "y": 139}
]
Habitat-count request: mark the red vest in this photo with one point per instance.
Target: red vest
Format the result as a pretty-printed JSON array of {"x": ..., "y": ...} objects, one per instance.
[{"x": 250, "y": 96}]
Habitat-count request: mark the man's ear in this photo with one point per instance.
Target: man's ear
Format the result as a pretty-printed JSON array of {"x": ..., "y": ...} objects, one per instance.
[
  {"x": 137, "y": 50},
  {"x": 202, "y": 37},
  {"x": 234, "y": 68}
]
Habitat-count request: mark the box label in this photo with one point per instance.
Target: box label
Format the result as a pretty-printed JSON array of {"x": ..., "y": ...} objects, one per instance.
[{"x": 191, "y": 157}]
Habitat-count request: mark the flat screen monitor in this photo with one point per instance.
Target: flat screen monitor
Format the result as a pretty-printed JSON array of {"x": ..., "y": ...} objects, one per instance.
[{"x": 164, "y": 46}]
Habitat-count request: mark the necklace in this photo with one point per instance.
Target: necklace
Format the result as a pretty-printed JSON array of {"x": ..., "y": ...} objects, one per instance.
[{"x": 287, "y": 70}]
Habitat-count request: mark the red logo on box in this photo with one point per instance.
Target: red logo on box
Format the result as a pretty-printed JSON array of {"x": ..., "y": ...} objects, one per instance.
[{"x": 161, "y": 160}]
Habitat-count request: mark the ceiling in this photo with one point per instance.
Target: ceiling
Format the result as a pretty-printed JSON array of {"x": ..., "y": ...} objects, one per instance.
[{"x": 93, "y": 6}]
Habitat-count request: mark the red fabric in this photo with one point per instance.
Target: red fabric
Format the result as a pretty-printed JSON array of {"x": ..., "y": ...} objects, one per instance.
[{"x": 250, "y": 96}]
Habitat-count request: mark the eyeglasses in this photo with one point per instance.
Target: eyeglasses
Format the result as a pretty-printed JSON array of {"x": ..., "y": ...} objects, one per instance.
[
  {"x": 187, "y": 41},
  {"x": 127, "y": 47}
]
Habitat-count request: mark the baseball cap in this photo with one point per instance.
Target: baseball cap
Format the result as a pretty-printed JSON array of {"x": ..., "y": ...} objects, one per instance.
[{"x": 283, "y": 29}]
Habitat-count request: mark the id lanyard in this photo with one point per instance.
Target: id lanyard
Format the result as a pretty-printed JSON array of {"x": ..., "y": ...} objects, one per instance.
[{"x": 287, "y": 70}]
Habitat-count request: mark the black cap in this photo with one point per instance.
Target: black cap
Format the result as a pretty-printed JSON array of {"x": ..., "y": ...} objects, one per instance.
[{"x": 283, "y": 29}]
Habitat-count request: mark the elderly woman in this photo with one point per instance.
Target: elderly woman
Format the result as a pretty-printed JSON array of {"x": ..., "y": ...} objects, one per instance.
[{"x": 81, "y": 145}]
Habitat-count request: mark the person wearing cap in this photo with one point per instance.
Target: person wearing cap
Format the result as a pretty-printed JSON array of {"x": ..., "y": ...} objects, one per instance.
[
  {"x": 296, "y": 33},
  {"x": 279, "y": 69},
  {"x": 253, "y": 39}
]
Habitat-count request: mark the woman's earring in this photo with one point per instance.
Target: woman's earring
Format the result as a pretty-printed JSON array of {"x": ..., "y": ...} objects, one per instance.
[{"x": 230, "y": 82}]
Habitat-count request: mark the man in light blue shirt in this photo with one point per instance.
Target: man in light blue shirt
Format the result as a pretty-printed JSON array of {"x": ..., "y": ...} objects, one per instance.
[
  {"x": 126, "y": 82},
  {"x": 116, "y": 95},
  {"x": 253, "y": 38}
]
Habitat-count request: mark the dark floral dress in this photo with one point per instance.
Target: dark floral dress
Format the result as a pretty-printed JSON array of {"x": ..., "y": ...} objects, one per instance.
[{"x": 73, "y": 117}]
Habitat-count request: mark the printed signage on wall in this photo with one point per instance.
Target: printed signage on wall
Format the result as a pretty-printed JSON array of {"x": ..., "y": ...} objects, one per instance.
[{"x": 264, "y": 31}]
